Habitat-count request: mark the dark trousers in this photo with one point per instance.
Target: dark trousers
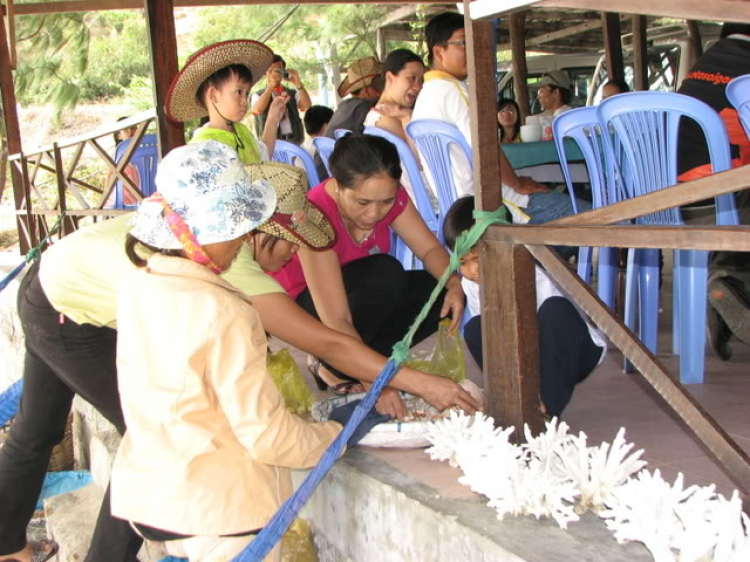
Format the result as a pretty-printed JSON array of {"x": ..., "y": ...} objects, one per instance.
[
  {"x": 567, "y": 354},
  {"x": 384, "y": 301},
  {"x": 62, "y": 359}
]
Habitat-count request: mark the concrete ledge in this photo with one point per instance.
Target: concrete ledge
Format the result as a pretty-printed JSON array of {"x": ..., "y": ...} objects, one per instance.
[{"x": 368, "y": 511}]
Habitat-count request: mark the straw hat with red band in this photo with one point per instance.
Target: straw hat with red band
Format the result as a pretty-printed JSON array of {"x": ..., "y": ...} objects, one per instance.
[
  {"x": 181, "y": 103},
  {"x": 360, "y": 73},
  {"x": 296, "y": 219}
]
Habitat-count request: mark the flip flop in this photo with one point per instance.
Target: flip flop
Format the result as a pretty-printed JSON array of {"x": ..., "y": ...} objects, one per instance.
[
  {"x": 41, "y": 551},
  {"x": 339, "y": 389}
]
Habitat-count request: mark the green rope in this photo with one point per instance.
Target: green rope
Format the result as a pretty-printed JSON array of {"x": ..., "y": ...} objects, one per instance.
[
  {"x": 36, "y": 251},
  {"x": 464, "y": 243}
]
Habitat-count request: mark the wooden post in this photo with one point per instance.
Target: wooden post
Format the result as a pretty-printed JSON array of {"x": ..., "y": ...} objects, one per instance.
[
  {"x": 613, "y": 45},
  {"x": 13, "y": 133},
  {"x": 380, "y": 44},
  {"x": 482, "y": 103},
  {"x": 518, "y": 55},
  {"x": 163, "y": 45},
  {"x": 509, "y": 333},
  {"x": 510, "y": 337},
  {"x": 695, "y": 37},
  {"x": 640, "y": 53},
  {"x": 66, "y": 224}
]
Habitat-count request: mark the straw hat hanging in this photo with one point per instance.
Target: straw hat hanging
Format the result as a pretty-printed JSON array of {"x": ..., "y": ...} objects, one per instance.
[
  {"x": 360, "y": 73},
  {"x": 297, "y": 219},
  {"x": 181, "y": 102}
]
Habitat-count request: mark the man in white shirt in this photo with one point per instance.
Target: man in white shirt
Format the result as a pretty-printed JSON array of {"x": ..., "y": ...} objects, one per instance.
[
  {"x": 554, "y": 93},
  {"x": 445, "y": 97}
]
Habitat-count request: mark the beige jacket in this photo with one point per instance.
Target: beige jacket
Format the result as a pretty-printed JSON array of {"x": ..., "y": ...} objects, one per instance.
[{"x": 209, "y": 443}]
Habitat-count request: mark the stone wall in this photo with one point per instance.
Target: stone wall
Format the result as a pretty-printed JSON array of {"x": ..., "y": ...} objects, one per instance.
[{"x": 11, "y": 335}]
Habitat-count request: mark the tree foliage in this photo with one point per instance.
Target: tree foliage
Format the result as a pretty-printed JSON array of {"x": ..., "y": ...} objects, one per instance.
[{"x": 306, "y": 40}]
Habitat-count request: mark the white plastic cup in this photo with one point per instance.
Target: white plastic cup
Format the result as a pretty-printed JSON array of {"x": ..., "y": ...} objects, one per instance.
[{"x": 531, "y": 133}]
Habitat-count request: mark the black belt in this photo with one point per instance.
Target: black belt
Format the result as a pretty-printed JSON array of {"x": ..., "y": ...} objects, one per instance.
[{"x": 154, "y": 534}]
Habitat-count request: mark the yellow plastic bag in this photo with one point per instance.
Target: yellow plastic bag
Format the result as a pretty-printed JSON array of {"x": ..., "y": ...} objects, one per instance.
[
  {"x": 446, "y": 359},
  {"x": 297, "y": 543},
  {"x": 285, "y": 374}
]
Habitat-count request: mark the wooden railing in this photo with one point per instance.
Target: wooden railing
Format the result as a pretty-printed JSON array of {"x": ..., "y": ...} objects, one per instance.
[
  {"x": 75, "y": 195},
  {"x": 508, "y": 257}
]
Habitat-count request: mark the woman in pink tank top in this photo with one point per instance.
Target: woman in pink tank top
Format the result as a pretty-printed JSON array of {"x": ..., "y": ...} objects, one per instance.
[{"x": 357, "y": 287}]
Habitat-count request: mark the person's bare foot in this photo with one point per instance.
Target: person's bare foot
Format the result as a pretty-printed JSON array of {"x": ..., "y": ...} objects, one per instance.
[{"x": 34, "y": 551}]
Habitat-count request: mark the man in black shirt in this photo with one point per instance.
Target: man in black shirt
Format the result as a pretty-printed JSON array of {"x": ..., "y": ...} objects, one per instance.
[{"x": 729, "y": 272}]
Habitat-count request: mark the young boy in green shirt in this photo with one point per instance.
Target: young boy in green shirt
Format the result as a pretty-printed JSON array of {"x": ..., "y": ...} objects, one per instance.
[{"x": 216, "y": 82}]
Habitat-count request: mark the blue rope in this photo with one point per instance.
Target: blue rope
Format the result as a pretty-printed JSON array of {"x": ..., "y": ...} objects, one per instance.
[
  {"x": 9, "y": 401},
  {"x": 259, "y": 548}
]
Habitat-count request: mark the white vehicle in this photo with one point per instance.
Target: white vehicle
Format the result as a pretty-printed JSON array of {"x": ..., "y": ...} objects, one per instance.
[{"x": 670, "y": 57}]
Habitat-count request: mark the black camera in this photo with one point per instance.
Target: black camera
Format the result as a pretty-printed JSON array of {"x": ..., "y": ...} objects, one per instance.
[{"x": 284, "y": 73}]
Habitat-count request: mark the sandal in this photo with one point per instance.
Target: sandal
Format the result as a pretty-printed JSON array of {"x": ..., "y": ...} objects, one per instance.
[
  {"x": 340, "y": 388},
  {"x": 41, "y": 551}
]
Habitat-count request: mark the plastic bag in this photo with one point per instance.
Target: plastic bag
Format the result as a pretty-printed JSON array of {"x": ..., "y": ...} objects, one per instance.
[
  {"x": 289, "y": 381},
  {"x": 297, "y": 543},
  {"x": 446, "y": 359}
]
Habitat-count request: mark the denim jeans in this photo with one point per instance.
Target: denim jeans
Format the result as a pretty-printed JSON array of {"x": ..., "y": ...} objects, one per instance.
[
  {"x": 62, "y": 359},
  {"x": 551, "y": 205}
]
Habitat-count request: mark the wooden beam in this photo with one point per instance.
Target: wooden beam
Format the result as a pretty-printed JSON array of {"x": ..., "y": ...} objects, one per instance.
[
  {"x": 397, "y": 15},
  {"x": 735, "y": 461},
  {"x": 518, "y": 55},
  {"x": 67, "y": 6},
  {"x": 613, "y": 46},
  {"x": 510, "y": 337},
  {"x": 724, "y": 238},
  {"x": 562, "y": 33},
  {"x": 695, "y": 37},
  {"x": 693, "y": 191},
  {"x": 640, "y": 53},
  {"x": 703, "y": 10},
  {"x": 163, "y": 46}
]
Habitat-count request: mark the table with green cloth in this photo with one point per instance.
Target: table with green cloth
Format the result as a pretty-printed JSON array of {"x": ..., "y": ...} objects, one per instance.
[{"x": 540, "y": 161}]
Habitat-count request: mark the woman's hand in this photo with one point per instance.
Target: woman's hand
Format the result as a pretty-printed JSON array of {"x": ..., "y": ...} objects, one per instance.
[
  {"x": 388, "y": 109},
  {"x": 454, "y": 302},
  {"x": 442, "y": 393},
  {"x": 390, "y": 403},
  {"x": 527, "y": 186}
]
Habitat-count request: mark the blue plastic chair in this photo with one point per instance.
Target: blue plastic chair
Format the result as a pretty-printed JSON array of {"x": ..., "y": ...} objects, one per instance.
[
  {"x": 324, "y": 146},
  {"x": 338, "y": 133},
  {"x": 738, "y": 94},
  {"x": 146, "y": 160},
  {"x": 435, "y": 141},
  {"x": 288, "y": 153},
  {"x": 10, "y": 398},
  {"x": 644, "y": 154},
  {"x": 582, "y": 126},
  {"x": 421, "y": 199}
]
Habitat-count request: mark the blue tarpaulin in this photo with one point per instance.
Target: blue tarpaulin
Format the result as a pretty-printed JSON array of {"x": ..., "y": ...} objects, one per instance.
[{"x": 61, "y": 482}]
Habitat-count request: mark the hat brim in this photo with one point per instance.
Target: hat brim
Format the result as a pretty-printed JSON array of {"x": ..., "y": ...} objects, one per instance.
[
  {"x": 363, "y": 82},
  {"x": 251, "y": 204},
  {"x": 181, "y": 104},
  {"x": 316, "y": 233}
]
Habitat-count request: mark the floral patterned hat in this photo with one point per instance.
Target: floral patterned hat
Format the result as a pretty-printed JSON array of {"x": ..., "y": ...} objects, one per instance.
[
  {"x": 297, "y": 219},
  {"x": 206, "y": 185}
]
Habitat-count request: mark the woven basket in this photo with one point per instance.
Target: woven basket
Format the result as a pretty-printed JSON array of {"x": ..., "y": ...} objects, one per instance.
[{"x": 62, "y": 454}]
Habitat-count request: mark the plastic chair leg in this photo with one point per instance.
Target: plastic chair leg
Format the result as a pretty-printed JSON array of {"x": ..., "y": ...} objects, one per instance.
[
  {"x": 676, "y": 323},
  {"x": 607, "y": 274},
  {"x": 631, "y": 298},
  {"x": 584, "y": 263},
  {"x": 692, "y": 271},
  {"x": 648, "y": 281}
]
